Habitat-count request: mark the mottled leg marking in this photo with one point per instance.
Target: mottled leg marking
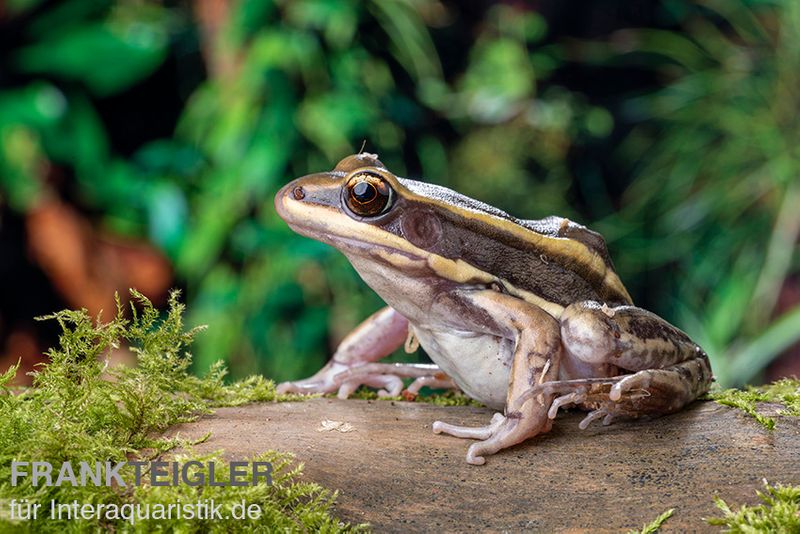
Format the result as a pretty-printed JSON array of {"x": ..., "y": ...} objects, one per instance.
[
  {"x": 667, "y": 369},
  {"x": 537, "y": 353}
]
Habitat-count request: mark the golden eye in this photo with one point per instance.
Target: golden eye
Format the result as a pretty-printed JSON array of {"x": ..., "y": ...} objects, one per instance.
[{"x": 368, "y": 194}]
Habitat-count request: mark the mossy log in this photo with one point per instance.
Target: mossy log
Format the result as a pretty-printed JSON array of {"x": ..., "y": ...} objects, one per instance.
[{"x": 394, "y": 473}]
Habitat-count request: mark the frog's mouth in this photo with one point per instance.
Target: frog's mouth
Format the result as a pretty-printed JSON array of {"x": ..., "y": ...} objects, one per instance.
[{"x": 363, "y": 247}]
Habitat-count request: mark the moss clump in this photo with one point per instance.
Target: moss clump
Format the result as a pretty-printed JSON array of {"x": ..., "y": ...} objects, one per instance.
[
  {"x": 655, "y": 524},
  {"x": 79, "y": 409},
  {"x": 785, "y": 391},
  {"x": 285, "y": 506},
  {"x": 779, "y": 512}
]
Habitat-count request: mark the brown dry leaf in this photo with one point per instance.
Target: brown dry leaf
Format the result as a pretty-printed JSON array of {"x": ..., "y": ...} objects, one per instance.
[{"x": 85, "y": 267}]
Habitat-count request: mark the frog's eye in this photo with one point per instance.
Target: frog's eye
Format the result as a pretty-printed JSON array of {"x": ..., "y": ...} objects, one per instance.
[{"x": 368, "y": 194}]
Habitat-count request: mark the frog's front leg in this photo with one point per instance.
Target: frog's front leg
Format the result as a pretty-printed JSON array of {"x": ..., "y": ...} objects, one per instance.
[
  {"x": 659, "y": 368},
  {"x": 352, "y": 364},
  {"x": 536, "y": 359}
]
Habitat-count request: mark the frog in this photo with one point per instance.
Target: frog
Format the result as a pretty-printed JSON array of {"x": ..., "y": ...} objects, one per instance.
[{"x": 527, "y": 317}]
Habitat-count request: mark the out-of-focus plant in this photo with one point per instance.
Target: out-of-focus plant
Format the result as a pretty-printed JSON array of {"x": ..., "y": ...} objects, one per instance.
[
  {"x": 292, "y": 87},
  {"x": 301, "y": 85},
  {"x": 464, "y": 96},
  {"x": 717, "y": 176}
]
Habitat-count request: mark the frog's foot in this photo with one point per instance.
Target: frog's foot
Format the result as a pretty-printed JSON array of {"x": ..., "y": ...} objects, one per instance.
[
  {"x": 389, "y": 377},
  {"x": 576, "y": 391},
  {"x": 591, "y": 392},
  {"x": 436, "y": 381},
  {"x": 579, "y": 397},
  {"x": 345, "y": 379},
  {"x": 570, "y": 399},
  {"x": 502, "y": 432},
  {"x": 607, "y": 416},
  {"x": 644, "y": 393},
  {"x": 389, "y": 385}
]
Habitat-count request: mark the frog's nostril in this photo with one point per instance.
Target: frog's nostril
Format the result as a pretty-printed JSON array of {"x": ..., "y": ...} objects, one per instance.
[{"x": 298, "y": 193}]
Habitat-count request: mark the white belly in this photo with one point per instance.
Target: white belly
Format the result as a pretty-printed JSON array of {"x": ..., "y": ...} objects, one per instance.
[{"x": 479, "y": 364}]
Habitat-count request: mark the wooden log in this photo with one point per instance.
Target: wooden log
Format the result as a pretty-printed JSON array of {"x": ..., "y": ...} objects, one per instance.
[{"x": 394, "y": 473}]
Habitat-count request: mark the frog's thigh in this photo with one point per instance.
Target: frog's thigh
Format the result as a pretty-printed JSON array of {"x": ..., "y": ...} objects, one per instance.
[
  {"x": 624, "y": 336},
  {"x": 536, "y": 359},
  {"x": 668, "y": 369}
]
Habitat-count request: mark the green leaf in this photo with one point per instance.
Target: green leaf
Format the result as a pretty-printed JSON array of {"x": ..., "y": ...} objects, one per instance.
[{"x": 107, "y": 59}]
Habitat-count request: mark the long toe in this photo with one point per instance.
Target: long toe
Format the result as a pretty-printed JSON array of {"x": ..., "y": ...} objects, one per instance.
[{"x": 597, "y": 414}]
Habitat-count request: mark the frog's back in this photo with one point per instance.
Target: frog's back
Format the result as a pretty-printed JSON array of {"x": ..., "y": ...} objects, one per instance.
[{"x": 553, "y": 258}]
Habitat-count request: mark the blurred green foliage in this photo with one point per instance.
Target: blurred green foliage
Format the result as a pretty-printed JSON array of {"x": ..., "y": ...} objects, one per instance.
[
  {"x": 717, "y": 177},
  {"x": 705, "y": 229}
]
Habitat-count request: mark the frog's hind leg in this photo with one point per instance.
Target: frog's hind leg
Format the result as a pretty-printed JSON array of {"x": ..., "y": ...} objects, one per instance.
[
  {"x": 667, "y": 370},
  {"x": 653, "y": 391},
  {"x": 568, "y": 393},
  {"x": 647, "y": 392}
]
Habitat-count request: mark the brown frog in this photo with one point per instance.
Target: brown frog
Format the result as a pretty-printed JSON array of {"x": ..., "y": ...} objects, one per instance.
[{"x": 525, "y": 316}]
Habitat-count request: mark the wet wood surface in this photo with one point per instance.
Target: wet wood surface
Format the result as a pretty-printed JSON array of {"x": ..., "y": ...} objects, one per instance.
[{"x": 394, "y": 473}]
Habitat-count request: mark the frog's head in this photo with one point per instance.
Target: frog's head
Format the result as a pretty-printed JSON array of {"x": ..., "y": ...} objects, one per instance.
[
  {"x": 355, "y": 207},
  {"x": 432, "y": 233}
]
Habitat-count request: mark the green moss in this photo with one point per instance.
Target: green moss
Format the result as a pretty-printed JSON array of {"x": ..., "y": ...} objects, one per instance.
[
  {"x": 779, "y": 512},
  {"x": 449, "y": 398},
  {"x": 286, "y": 505},
  {"x": 785, "y": 391},
  {"x": 653, "y": 526},
  {"x": 79, "y": 409}
]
